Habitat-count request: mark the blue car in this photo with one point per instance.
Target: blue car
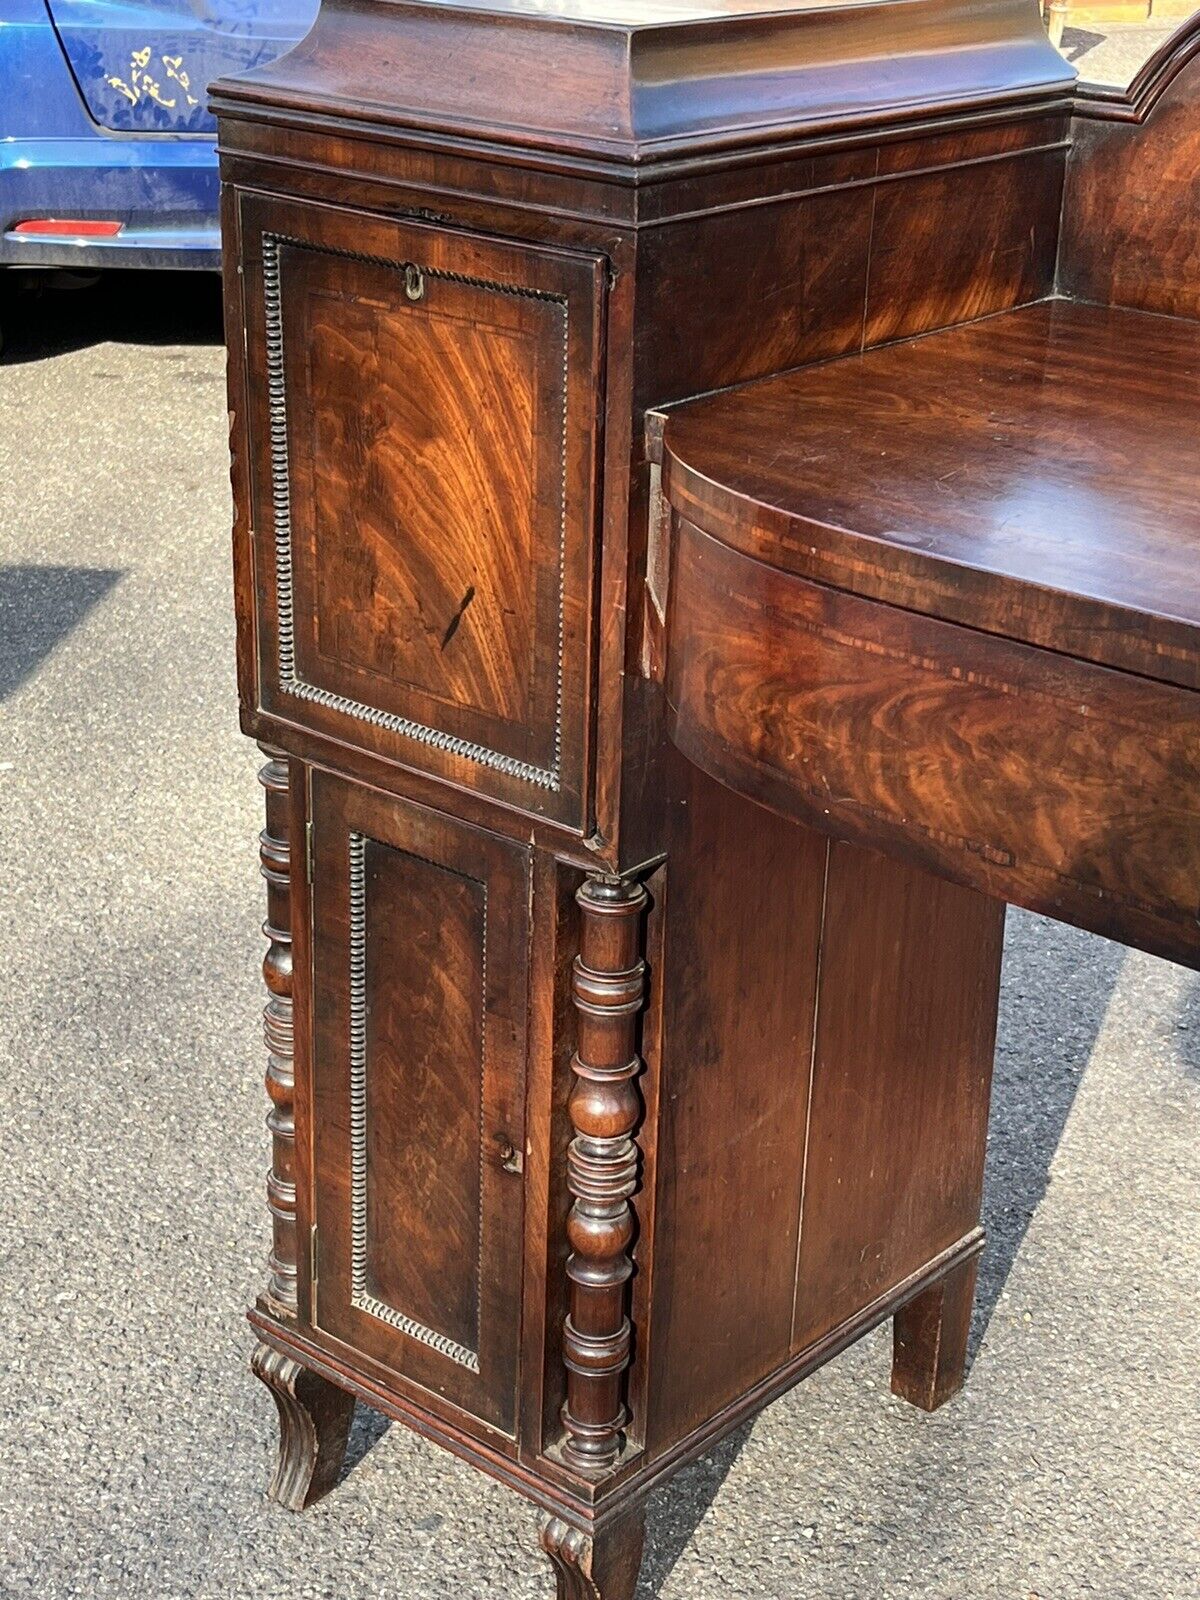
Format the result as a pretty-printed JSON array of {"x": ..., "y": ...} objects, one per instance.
[{"x": 107, "y": 154}]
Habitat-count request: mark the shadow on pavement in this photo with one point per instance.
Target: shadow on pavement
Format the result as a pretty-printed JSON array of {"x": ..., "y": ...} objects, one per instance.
[
  {"x": 366, "y": 1431},
  {"x": 46, "y": 314},
  {"x": 673, "y": 1516},
  {"x": 1032, "y": 1098},
  {"x": 39, "y": 607}
]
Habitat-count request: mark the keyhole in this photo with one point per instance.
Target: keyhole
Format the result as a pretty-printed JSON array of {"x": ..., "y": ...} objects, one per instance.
[
  {"x": 414, "y": 281},
  {"x": 510, "y": 1159}
]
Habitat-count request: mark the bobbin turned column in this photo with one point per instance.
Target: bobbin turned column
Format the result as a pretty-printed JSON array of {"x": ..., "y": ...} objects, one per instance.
[
  {"x": 608, "y": 989},
  {"x": 314, "y": 1415},
  {"x": 278, "y": 1033}
]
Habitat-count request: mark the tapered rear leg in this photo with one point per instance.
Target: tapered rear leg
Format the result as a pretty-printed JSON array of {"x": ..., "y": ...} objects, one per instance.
[
  {"x": 929, "y": 1339},
  {"x": 602, "y": 1565}
]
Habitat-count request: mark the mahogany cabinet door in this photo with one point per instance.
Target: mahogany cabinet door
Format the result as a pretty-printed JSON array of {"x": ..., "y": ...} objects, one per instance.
[
  {"x": 423, "y": 408},
  {"x": 419, "y": 940}
]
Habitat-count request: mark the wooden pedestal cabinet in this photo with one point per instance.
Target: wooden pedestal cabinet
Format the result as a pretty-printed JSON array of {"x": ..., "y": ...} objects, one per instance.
[{"x": 605, "y": 1103}]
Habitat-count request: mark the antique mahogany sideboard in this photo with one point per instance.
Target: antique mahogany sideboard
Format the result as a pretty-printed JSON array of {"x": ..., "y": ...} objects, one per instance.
[{"x": 716, "y": 517}]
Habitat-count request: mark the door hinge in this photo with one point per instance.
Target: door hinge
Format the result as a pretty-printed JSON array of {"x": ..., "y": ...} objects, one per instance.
[
  {"x": 308, "y": 851},
  {"x": 312, "y": 1273}
]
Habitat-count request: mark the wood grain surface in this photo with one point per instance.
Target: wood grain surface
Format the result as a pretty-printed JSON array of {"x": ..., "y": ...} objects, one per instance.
[
  {"x": 1032, "y": 475},
  {"x": 419, "y": 935},
  {"x": 635, "y": 83},
  {"x": 1066, "y": 787},
  {"x": 900, "y": 1088},
  {"x": 423, "y": 551},
  {"x": 1131, "y": 223},
  {"x": 597, "y": 1213}
]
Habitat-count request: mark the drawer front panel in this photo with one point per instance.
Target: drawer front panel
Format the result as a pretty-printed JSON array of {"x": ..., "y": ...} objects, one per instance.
[
  {"x": 424, "y": 409},
  {"x": 1066, "y": 787},
  {"x": 418, "y": 1044}
]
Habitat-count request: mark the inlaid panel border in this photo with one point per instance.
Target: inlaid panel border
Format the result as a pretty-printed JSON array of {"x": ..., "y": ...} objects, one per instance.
[
  {"x": 360, "y": 1296},
  {"x": 289, "y": 680}
]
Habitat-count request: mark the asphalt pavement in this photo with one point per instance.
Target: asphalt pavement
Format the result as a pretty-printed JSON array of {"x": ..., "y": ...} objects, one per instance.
[{"x": 135, "y": 1446}]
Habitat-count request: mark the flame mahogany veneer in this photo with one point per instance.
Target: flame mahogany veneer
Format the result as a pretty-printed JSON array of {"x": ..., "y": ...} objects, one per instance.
[
  {"x": 645, "y": 779},
  {"x": 944, "y": 599}
]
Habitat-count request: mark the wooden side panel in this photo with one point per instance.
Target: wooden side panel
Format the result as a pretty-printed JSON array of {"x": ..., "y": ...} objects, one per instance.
[
  {"x": 1066, "y": 787},
  {"x": 801, "y": 264},
  {"x": 901, "y": 1077},
  {"x": 738, "y": 984},
  {"x": 1131, "y": 223},
  {"x": 419, "y": 940},
  {"x": 875, "y": 256},
  {"x": 953, "y": 245},
  {"x": 872, "y": 245}
]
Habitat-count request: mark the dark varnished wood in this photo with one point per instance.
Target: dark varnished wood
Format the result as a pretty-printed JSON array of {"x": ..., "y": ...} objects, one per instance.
[
  {"x": 1131, "y": 225},
  {"x": 733, "y": 1098},
  {"x": 868, "y": 246},
  {"x": 899, "y": 1093},
  {"x": 1032, "y": 475},
  {"x": 599, "y": 1565},
  {"x": 639, "y": 83},
  {"x": 766, "y": 1108},
  {"x": 930, "y": 1339},
  {"x": 1062, "y": 786},
  {"x": 388, "y": 613},
  {"x": 278, "y": 1032},
  {"x": 608, "y": 990},
  {"x": 686, "y": 340},
  {"x": 314, "y": 1425},
  {"x": 944, "y": 250},
  {"x": 419, "y": 935},
  {"x": 595, "y": 1040},
  {"x": 542, "y": 1479}
]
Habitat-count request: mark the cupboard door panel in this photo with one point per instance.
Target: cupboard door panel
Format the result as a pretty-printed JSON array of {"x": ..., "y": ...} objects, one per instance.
[
  {"x": 419, "y": 993},
  {"x": 425, "y": 408}
]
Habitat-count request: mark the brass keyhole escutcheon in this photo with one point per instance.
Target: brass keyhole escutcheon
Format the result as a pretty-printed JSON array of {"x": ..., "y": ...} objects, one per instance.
[
  {"x": 414, "y": 281},
  {"x": 510, "y": 1157}
]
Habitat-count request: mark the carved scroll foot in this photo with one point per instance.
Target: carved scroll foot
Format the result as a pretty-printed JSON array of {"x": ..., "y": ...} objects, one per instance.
[
  {"x": 929, "y": 1339},
  {"x": 314, "y": 1425},
  {"x": 603, "y": 1565}
]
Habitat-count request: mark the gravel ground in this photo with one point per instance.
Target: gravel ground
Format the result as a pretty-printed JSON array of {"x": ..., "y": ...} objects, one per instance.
[{"x": 135, "y": 1444}]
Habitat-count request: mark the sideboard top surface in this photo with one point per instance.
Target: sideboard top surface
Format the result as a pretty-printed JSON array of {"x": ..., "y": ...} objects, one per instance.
[
  {"x": 1031, "y": 474},
  {"x": 630, "y": 84}
]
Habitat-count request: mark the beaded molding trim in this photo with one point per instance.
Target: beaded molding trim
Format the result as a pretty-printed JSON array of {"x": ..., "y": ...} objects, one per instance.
[
  {"x": 360, "y": 1296},
  {"x": 289, "y": 681}
]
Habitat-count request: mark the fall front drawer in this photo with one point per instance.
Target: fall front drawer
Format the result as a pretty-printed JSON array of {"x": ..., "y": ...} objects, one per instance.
[{"x": 422, "y": 419}]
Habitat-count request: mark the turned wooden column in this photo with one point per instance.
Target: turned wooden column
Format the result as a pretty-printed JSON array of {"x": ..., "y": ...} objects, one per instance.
[
  {"x": 314, "y": 1415},
  {"x": 275, "y": 856},
  {"x": 608, "y": 989}
]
